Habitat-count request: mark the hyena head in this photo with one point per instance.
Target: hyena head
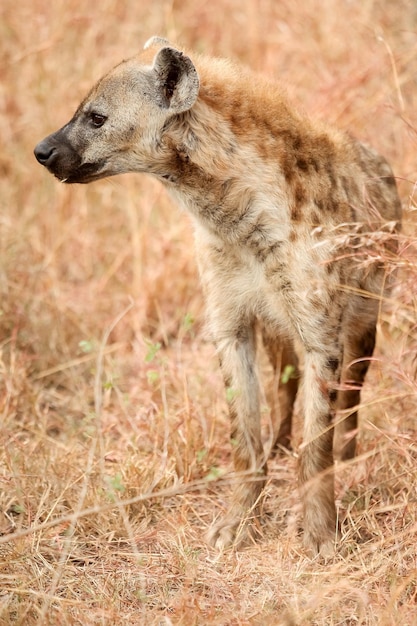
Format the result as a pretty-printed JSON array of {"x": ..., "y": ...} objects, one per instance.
[{"x": 117, "y": 127}]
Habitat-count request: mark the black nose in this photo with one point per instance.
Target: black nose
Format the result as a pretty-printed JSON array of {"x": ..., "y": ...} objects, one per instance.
[{"x": 44, "y": 152}]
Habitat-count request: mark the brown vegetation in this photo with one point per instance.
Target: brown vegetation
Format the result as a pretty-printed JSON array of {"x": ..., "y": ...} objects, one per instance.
[{"x": 114, "y": 437}]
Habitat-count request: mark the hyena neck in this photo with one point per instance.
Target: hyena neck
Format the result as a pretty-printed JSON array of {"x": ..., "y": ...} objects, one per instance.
[{"x": 222, "y": 179}]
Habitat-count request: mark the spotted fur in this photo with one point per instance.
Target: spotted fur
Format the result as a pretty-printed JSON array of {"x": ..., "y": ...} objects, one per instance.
[{"x": 290, "y": 217}]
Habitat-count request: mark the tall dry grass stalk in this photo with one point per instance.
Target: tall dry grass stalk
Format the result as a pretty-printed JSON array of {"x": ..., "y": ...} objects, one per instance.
[{"x": 114, "y": 434}]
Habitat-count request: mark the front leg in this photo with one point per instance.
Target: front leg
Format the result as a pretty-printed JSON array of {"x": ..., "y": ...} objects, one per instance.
[{"x": 237, "y": 358}]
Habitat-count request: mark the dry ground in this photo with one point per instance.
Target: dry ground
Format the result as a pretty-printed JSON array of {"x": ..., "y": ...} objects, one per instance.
[{"x": 114, "y": 434}]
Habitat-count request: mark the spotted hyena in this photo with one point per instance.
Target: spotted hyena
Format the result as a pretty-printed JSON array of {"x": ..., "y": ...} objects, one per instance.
[{"x": 289, "y": 217}]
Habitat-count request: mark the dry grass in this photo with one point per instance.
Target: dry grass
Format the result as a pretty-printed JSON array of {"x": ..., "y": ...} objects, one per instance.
[{"x": 114, "y": 433}]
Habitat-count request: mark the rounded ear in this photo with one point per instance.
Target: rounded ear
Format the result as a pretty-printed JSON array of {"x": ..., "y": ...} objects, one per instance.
[
  {"x": 177, "y": 81},
  {"x": 156, "y": 41}
]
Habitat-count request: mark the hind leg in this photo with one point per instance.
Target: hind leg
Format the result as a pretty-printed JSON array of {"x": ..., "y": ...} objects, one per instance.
[
  {"x": 283, "y": 388},
  {"x": 358, "y": 351}
]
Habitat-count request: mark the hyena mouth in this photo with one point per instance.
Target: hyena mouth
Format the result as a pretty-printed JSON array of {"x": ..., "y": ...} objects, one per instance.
[{"x": 86, "y": 173}]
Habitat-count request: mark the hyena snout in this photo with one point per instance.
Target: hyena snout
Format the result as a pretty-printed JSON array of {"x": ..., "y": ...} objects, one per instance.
[{"x": 57, "y": 154}]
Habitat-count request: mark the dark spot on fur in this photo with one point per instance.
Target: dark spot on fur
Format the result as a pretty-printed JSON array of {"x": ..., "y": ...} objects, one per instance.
[
  {"x": 302, "y": 164},
  {"x": 315, "y": 218},
  {"x": 332, "y": 395},
  {"x": 332, "y": 176},
  {"x": 242, "y": 333},
  {"x": 332, "y": 364},
  {"x": 299, "y": 193},
  {"x": 295, "y": 213},
  {"x": 254, "y": 235},
  {"x": 297, "y": 142},
  {"x": 288, "y": 169},
  {"x": 263, "y": 253},
  {"x": 275, "y": 246}
]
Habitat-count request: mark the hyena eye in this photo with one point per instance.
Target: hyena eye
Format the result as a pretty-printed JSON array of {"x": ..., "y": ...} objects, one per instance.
[{"x": 97, "y": 120}]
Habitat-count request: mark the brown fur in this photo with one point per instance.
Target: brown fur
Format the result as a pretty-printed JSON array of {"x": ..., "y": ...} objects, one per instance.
[{"x": 288, "y": 214}]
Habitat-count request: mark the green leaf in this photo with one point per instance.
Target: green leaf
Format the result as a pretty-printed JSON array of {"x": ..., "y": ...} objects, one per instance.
[
  {"x": 231, "y": 394},
  {"x": 86, "y": 346},
  {"x": 188, "y": 322},
  {"x": 214, "y": 473},
  {"x": 115, "y": 484},
  {"x": 201, "y": 454},
  {"x": 152, "y": 376},
  {"x": 287, "y": 374},
  {"x": 153, "y": 349}
]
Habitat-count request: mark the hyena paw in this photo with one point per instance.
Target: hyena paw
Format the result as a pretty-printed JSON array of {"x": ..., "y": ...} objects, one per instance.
[
  {"x": 322, "y": 546},
  {"x": 235, "y": 531},
  {"x": 223, "y": 534}
]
